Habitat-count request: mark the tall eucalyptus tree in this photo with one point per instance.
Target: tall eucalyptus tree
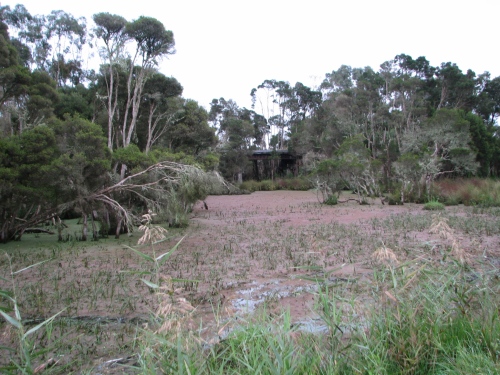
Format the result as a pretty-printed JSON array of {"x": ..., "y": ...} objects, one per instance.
[{"x": 110, "y": 28}]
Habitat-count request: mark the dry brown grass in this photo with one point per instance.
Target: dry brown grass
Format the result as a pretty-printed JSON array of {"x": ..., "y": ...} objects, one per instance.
[
  {"x": 384, "y": 255},
  {"x": 440, "y": 227},
  {"x": 152, "y": 233}
]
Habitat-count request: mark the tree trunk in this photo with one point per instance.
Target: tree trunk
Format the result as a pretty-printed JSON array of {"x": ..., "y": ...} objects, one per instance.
[
  {"x": 118, "y": 228},
  {"x": 84, "y": 227},
  {"x": 108, "y": 224},
  {"x": 94, "y": 230},
  {"x": 136, "y": 102},
  {"x": 123, "y": 171}
]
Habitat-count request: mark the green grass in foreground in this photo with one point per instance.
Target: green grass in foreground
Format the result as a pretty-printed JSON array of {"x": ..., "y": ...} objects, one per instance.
[{"x": 425, "y": 320}]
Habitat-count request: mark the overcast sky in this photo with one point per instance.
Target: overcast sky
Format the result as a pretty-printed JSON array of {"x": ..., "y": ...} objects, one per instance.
[{"x": 225, "y": 48}]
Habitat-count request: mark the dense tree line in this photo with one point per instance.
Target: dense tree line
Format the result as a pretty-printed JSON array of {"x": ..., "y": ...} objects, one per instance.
[
  {"x": 68, "y": 134},
  {"x": 396, "y": 129},
  {"x": 104, "y": 145}
]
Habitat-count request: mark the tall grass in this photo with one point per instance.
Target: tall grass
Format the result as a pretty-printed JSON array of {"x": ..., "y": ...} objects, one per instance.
[
  {"x": 470, "y": 192},
  {"x": 22, "y": 357},
  {"x": 423, "y": 320},
  {"x": 443, "y": 324}
]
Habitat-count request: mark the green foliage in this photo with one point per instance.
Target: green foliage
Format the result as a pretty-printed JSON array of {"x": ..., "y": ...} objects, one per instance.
[
  {"x": 434, "y": 205},
  {"x": 267, "y": 185},
  {"x": 351, "y": 167},
  {"x": 250, "y": 186},
  {"x": 191, "y": 133},
  {"x": 482, "y": 142},
  {"x": 152, "y": 39},
  {"x": 74, "y": 101},
  {"x": 50, "y": 166},
  {"x": 43, "y": 97},
  {"x": 132, "y": 157},
  {"x": 25, "y": 163},
  {"x": 455, "y": 320},
  {"x": 209, "y": 160},
  {"x": 14, "y": 77},
  {"x": 160, "y": 154},
  {"x": 331, "y": 200},
  {"x": 84, "y": 160}
]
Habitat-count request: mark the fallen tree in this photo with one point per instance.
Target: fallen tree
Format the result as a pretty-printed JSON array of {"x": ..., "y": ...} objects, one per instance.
[{"x": 163, "y": 187}]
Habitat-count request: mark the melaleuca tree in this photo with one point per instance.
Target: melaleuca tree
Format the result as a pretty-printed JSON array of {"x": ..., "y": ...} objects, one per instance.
[
  {"x": 408, "y": 171},
  {"x": 443, "y": 144},
  {"x": 352, "y": 166}
]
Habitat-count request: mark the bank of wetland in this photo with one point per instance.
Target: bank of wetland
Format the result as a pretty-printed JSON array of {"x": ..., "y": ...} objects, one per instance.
[{"x": 271, "y": 282}]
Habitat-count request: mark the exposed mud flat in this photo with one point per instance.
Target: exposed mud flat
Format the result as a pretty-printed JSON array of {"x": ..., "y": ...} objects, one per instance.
[{"x": 265, "y": 252}]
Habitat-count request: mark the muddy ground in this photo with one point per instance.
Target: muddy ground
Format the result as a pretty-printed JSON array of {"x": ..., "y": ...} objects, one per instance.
[
  {"x": 244, "y": 252},
  {"x": 282, "y": 240}
]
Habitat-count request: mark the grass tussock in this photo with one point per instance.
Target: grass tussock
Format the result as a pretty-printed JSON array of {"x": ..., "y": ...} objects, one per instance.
[
  {"x": 470, "y": 192},
  {"x": 384, "y": 255},
  {"x": 441, "y": 325},
  {"x": 434, "y": 206},
  {"x": 440, "y": 227}
]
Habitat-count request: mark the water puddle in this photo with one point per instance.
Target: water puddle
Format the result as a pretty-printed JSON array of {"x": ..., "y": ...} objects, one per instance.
[{"x": 273, "y": 290}]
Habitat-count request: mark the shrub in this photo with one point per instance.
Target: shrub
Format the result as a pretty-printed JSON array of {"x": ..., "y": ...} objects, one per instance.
[
  {"x": 434, "y": 206},
  {"x": 300, "y": 183},
  {"x": 267, "y": 185},
  {"x": 452, "y": 201},
  {"x": 294, "y": 183},
  {"x": 331, "y": 200},
  {"x": 250, "y": 185}
]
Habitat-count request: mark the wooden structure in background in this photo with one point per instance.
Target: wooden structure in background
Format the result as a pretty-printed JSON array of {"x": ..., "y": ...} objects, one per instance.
[{"x": 269, "y": 163}]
